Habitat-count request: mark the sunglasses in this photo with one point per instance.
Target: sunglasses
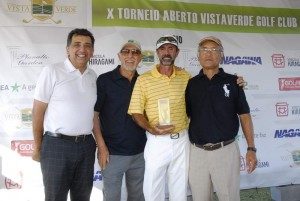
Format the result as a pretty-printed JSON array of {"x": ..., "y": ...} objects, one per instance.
[
  {"x": 134, "y": 52},
  {"x": 212, "y": 50},
  {"x": 167, "y": 38}
]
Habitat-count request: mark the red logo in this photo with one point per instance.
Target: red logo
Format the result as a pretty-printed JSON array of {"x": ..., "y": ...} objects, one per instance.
[
  {"x": 282, "y": 109},
  {"x": 23, "y": 147},
  {"x": 10, "y": 184},
  {"x": 278, "y": 61},
  {"x": 288, "y": 84}
]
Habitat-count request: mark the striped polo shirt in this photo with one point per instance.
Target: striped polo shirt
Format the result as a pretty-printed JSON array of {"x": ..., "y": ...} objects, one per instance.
[{"x": 152, "y": 86}]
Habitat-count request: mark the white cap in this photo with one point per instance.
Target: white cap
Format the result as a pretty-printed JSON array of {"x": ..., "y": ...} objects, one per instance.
[{"x": 167, "y": 39}]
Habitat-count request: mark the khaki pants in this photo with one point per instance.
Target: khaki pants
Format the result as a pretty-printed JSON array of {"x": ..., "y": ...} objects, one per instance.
[{"x": 218, "y": 169}]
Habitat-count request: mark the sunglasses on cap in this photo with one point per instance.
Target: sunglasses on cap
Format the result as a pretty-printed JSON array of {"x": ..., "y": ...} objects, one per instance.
[{"x": 166, "y": 40}]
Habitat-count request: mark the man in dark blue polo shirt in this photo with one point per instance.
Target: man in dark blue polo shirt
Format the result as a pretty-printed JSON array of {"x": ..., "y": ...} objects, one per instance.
[
  {"x": 215, "y": 104},
  {"x": 123, "y": 141}
]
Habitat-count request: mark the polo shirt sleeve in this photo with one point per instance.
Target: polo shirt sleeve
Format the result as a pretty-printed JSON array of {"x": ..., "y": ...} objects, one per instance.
[
  {"x": 137, "y": 102},
  {"x": 242, "y": 106},
  {"x": 101, "y": 94},
  {"x": 45, "y": 85}
]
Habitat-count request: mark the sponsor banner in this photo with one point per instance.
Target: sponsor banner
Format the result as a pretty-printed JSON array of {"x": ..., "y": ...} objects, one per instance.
[
  {"x": 61, "y": 13},
  {"x": 23, "y": 147},
  {"x": 289, "y": 83},
  {"x": 195, "y": 16}
]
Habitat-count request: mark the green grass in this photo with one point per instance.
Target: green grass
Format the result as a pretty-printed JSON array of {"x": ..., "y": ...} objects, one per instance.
[{"x": 255, "y": 194}]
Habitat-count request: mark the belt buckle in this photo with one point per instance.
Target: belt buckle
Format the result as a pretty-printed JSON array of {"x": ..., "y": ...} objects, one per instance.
[
  {"x": 208, "y": 146},
  {"x": 174, "y": 135}
]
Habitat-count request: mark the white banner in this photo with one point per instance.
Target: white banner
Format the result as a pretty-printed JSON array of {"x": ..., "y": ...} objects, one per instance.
[{"x": 270, "y": 63}]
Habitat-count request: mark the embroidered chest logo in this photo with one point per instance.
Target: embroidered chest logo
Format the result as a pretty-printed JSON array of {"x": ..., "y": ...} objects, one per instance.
[{"x": 226, "y": 90}]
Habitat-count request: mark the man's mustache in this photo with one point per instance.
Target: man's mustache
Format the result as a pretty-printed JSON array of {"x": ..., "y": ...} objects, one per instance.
[{"x": 167, "y": 57}]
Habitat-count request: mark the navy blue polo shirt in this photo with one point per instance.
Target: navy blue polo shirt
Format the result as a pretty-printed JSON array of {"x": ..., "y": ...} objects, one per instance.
[
  {"x": 121, "y": 134},
  {"x": 213, "y": 107}
]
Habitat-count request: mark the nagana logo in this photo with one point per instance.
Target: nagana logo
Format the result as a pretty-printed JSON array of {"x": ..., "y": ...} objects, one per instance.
[
  {"x": 287, "y": 133},
  {"x": 241, "y": 60}
]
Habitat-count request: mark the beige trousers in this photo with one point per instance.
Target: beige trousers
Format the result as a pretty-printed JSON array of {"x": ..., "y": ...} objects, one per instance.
[{"x": 218, "y": 169}]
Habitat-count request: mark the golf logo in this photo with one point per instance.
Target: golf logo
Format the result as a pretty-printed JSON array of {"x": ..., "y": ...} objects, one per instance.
[{"x": 42, "y": 10}]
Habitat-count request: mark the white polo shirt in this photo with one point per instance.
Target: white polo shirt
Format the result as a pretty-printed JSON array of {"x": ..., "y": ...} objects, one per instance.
[{"x": 71, "y": 97}]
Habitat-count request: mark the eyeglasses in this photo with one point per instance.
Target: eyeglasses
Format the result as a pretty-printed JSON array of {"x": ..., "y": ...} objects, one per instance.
[
  {"x": 134, "y": 52},
  {"x": 210, "y": 50}
]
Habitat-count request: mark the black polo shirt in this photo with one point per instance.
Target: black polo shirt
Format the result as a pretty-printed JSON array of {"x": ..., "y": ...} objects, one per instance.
[
  {"x": 213, "y": 107},
  {"x": 121, "y": 134}
]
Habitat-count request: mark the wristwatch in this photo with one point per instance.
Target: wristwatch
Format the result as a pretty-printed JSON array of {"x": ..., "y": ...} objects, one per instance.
[{"x": 252, "y": 149}]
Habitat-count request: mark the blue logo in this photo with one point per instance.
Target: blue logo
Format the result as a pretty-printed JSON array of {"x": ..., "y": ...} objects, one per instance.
[
  {"x": 239, "y": 60},
  {"x": 287, "y": 133},
  {"x": 97, "y": 176}
]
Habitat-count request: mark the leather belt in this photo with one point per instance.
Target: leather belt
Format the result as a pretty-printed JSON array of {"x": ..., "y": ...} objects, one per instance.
[
  {"x": 77, "y": 138},
  {"x": 211, "y": 146}
]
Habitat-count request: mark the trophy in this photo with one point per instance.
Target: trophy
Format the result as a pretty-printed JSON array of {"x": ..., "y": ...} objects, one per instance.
[{"x": 164, "y": 111}]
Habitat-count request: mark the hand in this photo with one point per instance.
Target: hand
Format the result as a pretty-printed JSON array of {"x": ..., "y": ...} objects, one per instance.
[
  {"x": 240, "y": 81},
  {"x": 162, "y": 129},
  {"x": 36, "y": 155},
  {"x": 103, "y": 156},
  {"x": 251, "y": 161}
]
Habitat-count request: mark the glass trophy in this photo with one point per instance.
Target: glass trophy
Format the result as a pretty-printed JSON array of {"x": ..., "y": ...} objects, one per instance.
[{"x": 164, "y": 111}]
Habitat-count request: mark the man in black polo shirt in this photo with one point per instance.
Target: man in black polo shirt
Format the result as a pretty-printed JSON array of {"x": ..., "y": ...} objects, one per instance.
[
  {"x": 215, "y": 104},
  {"x": 123, "y": 141}
]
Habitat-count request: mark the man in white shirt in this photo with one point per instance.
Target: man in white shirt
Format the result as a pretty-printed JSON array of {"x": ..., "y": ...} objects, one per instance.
[{"x": 63, "y": 112}]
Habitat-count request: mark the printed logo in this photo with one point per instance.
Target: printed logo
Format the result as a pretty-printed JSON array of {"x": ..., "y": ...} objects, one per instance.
[
  {"x": 42, "y": 10},
  {"x": 295, "y": 110},
  {"x": 148, "y": 58},
  {"x": 282, "y": 109},
  {"x": 101, "y": 60},
  {"x": 241, "y": 60},
  {"x": 10, "y": 184},
  {"x": 23, "y": 58},
  {"x": 287, "y": 133},
  {"x": 23, "y": 147},
  {"x": 97, "y": 176},
  {"x": 278, "y": 60},
  {"x": 226, "y": 90},
  {"x": 262, "y": 164},
  {"x": 243, "y": 163},
  {"x": 288, "y": 84},
  {"x": 293, "y": 62},
  {"x": 255, "y": 112}
]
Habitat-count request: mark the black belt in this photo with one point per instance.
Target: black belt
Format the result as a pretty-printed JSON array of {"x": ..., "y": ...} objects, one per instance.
[
  {"x": 77, "y": 138},
  {"x": 211, "y": 146}
]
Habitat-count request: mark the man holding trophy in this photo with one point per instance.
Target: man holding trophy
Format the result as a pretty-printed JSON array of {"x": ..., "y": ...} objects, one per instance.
[{"x": 158, "y": 105}]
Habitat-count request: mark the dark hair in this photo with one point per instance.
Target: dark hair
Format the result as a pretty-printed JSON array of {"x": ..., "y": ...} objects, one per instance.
[{"x": 80, "y": 32}]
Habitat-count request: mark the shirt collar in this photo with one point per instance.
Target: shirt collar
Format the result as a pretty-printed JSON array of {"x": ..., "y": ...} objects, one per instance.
[
  {"x": 156, "y": 73},
  {"x": 117, "y": 75},
  {"x": 71, "y": 68},
  {"x": 221, "y": 73}
]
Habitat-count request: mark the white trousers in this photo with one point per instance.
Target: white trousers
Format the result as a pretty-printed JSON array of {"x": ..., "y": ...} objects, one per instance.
[
  {"x": 166, "y": 159},
  {"x": 218, "y": 169}
]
